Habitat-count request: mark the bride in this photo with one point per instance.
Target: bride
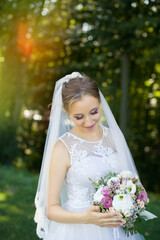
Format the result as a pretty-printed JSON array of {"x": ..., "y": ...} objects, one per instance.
[{"x": 83, "y": 141}]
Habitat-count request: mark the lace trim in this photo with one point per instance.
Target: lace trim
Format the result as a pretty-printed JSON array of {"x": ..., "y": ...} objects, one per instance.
[
  {"x": 77, "y": 155},
  {"x": 104, "y": 132},
  {"x": 81, "y": 196},
  {"x": 41, "y": 219},
  {"x": 102, "y": 150},
  {"x": 111, "y": 162}
]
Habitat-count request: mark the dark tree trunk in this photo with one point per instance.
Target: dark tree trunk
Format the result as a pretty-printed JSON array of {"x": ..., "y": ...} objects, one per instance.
[{"x": 124, "y": 93}]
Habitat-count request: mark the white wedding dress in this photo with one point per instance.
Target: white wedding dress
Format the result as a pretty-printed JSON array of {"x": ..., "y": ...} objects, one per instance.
[{"x": 89, "y": 159}]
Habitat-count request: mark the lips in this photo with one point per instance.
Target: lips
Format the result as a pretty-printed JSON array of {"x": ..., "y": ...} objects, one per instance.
[{"x": 91, "y": 126}]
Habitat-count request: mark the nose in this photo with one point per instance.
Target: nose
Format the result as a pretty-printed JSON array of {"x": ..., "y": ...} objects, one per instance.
[{"x": 88, "y": 121}]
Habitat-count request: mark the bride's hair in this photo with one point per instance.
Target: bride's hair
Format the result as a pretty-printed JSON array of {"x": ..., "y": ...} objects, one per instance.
[{"x": 76, "y": 88}]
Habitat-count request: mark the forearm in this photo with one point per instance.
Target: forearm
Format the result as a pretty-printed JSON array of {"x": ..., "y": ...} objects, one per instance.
[
  {"x": 59, "y": 214},
  {"x": 90, "y": 216}
]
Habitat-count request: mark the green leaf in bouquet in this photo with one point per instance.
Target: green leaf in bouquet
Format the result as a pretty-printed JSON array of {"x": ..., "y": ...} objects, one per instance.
[
  {"x": 139, "y": 224},
  {"x": 109, "y": 175}
]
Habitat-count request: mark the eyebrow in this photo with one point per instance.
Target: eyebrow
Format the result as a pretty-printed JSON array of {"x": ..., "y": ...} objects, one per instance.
[{"x": 82, "y": 114}]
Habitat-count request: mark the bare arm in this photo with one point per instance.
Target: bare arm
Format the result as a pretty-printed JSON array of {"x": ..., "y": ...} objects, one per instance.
[{"x": 60, "y": 162}]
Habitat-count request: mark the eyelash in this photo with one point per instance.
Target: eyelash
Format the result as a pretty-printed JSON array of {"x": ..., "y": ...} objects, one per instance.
[{"x": 92, "y": 113}]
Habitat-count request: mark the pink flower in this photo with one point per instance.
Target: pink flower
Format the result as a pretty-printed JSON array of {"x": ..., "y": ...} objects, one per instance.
[
  {"x": 142, "y": 196},
  {"x": 106, "y": 202},
  {"x": 105, "y": 191}
]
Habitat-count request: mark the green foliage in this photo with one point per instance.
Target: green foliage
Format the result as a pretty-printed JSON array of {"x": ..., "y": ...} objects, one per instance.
[
  {"x": 17, "y": 191},
  {"x": 44, "y": 40},
  {"x": 147, "y": 228}
]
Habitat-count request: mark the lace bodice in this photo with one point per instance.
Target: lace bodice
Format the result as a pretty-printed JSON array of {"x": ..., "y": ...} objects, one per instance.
[{"x": 89, "y": 159}]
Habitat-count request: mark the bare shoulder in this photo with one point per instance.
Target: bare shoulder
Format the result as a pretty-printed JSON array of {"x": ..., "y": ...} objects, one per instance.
[
  {"x": 59, "y": 146},
  {"x": 60, "y": 153}
]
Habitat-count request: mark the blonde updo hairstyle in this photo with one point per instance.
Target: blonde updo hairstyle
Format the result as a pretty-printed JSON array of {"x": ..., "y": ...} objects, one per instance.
[{"x": 76, "y": 88}]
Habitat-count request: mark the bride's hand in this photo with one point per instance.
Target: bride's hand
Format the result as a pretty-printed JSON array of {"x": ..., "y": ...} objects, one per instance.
[{"x": 93, "y": 216}]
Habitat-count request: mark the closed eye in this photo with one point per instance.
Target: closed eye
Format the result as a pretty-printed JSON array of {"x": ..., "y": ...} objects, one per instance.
[
  {"x": 78, "y": 117},
  {"x": 94, "y": 112}
]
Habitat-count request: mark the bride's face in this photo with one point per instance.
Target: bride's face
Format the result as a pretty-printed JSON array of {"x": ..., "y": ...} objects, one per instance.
[{"x": 85, "y": 113}]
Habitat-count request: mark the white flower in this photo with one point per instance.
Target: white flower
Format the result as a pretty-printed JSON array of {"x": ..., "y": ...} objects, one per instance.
[
  {"x": 112, "y": 179},
  {"x": 118, "y": 191},
  {"x": 122, "y": 187},
  {"x": 131, "y": 187},
  {"x": 122, "y": 202},
  {"x": 125, "y": 174},
  {"x": 127, "y": 213},
  {"x": 98, "y": 195}
]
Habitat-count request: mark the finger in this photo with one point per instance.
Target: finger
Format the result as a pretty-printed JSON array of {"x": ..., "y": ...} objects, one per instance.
[
  {"x": 94, "y": 208},
  {"x": 113, "y": 225},
  {"x": 108, "y": 215},
  {"x": 110, "y": 224},
  {"x": 111, "y": 220},
  {"x": 113, "y": 214}
]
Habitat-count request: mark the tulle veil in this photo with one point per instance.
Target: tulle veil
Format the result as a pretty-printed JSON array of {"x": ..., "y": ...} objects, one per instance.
[{"x": 59, "y": 124}]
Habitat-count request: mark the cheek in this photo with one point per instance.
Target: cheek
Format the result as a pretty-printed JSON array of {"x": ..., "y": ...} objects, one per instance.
[
  {"x": 77, "y": 122},
  {"x": 97, "y": 117}
]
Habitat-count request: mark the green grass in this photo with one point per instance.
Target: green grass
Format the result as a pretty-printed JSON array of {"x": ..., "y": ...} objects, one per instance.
[
  {"x": 151, "y": 228},
  {"x": 17, "y": 191}
]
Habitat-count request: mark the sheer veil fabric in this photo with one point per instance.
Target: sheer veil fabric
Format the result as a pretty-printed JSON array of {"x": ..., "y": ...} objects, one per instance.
[{"x": 58, "y": 125}]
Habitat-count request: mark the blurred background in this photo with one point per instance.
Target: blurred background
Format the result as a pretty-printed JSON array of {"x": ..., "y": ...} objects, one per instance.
[{"x": 116, "y": 43}]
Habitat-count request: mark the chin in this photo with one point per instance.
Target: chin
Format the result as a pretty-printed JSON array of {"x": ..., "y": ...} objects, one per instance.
[{"x": 91, "y": 127}]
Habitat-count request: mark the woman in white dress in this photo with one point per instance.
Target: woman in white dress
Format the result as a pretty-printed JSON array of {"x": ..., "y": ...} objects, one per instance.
[{"x": 79, "y": 147}]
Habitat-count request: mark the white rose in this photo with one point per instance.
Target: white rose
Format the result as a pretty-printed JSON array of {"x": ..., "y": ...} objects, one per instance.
[
  {"x": 112, "y": 179},
  {"x": 127, "y": 213},
  {"x": 122, "y": 202},
  {"x": 98, "y": 195},
  {"x": 111, "y": 209},
  {"x": 131, "y": 187},
  {"x": 122, "y": 187},
  {"x": 125, "y": 174},
  {"x": 141, "y": 204}
]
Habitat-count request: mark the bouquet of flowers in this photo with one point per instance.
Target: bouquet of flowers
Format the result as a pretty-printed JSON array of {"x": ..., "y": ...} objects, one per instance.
[{"x": 121, "y": 193}]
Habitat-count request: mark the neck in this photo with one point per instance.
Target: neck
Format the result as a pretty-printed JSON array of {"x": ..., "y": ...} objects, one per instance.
[{"x": 89, "y": 134}]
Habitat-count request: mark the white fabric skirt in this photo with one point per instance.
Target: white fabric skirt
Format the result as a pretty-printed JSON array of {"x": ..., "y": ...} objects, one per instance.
[{"x": 74, "y": 231}]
